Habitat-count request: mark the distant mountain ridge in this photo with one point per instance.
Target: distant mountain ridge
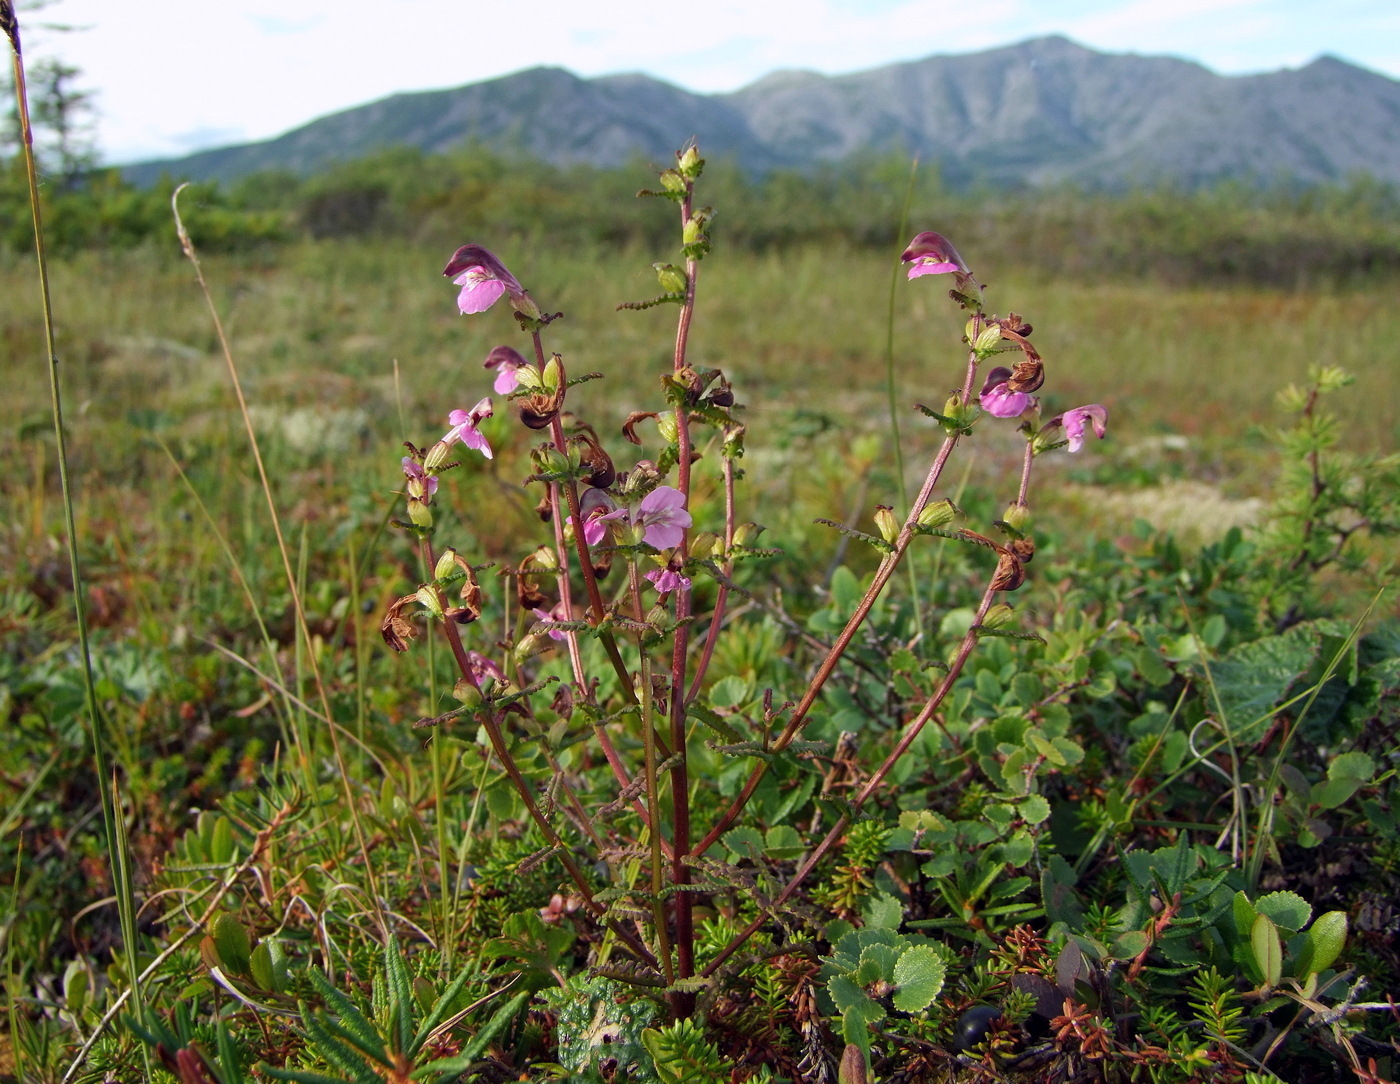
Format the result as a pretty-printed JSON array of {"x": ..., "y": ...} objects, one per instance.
[{"x": 1041, "y": 112}]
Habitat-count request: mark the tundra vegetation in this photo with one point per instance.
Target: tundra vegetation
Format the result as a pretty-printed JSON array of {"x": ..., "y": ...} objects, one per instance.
[{"x": 726, "y": 643}]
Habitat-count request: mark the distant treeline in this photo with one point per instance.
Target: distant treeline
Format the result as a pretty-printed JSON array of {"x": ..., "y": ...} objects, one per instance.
[{"x": 1268, "y": 234}]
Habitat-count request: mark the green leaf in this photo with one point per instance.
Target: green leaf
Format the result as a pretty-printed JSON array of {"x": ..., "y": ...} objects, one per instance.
[
  {"x": 1268, "y": 950},
  {"x": 784, "y": 843},
  {"x": 731, "y": 692},
  {"x": 1352, "y": 766},
  {"x": 231, "y": 941},
  {"x": 1034, "y": 809},
  {"x": 919, "y": 973},
  {"x": 877, "y": 964},
  {"x": 1287, "y": 910},
  {"x": 473, "y": 1051},
  {"x": 883, "y": 912},
  {"x": 1322, "y": 943},
  {"x": 1255, "y": 676},
  {"x": 1245, "y": 914},
  {"x": 744, "y": 842},
  {"x": 1129, "y": 945},
  {"x": 268, "y": 965},
  {"x": 845, "y": 992},
  {"x": 857, "y": 1021}
]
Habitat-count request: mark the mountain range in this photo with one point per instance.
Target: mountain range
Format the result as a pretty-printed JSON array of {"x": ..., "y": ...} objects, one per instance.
[{"x": 1042, "y": 112}]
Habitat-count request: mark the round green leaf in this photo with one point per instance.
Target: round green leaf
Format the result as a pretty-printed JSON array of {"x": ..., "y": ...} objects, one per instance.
[{"x": 919, "y": 974}]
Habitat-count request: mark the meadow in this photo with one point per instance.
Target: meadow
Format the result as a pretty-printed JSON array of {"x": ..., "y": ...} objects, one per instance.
[{"x": 1201, "y": 694}]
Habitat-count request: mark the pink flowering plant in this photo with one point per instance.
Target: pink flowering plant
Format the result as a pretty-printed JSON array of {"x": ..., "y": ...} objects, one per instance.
[{"x": 601, "y": 641}]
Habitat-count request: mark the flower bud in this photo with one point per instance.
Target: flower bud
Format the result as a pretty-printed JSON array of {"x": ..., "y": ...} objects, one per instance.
[
  {"x": 937, "y": 514},
  {"x": 999, "y": 616},
  {"x": 419, "y": 513},
  {"x": 690, "y": 162},
  {"x": 671, "y": 277},
  {"x": 528, "y": 377},
  {"x": 672, "y": 181},
  {"x": 428, "y": 597},
  {"x": 886, "y": 523},
  {"x": 446, "y": 564},
  {"x": 705, "y": 544},
  {"x": 467, "y": 694},
  {"x": 1017, "y": 515},
  {"x": 551, "y": 373},
  {"x": 667, "y": 427},
  {"x": 987, "y": 341},
  {"x": 437, "y": 456},
  {"x": 746, "y": 534}
]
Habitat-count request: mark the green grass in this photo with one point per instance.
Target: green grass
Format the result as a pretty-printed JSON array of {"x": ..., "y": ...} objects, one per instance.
[{"x": 349, "y": 348}]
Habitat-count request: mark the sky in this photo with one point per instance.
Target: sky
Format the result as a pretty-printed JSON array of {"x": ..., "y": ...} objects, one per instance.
[{"x": 174, "y": 76}]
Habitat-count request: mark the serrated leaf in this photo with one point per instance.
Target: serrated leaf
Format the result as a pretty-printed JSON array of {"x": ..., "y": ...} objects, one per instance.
[
  {"x": 1287, "y": 910},
  {"x": 919, "y": 973},
  {"x": 845, "y": 992},
  {"x": 1357, "y": 767},
  {"x": 744, "y": 842},
  {"x": 883, "y": 912},
  {"x": 1268, "y": 950},
  {"x": 877, "y": 964},
  {"x": 1034, "y": 809},
  {"x": 1244, "y": 913},
  {"x": 731, "y": 692}
]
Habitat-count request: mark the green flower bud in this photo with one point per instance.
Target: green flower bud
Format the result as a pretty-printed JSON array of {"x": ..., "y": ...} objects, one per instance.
[
  {"x": 428, "y": 596},
  {"x": 419, "y": 513},
  {"x": 437, "y": 455},
  {"x": 999, "y": 616},
  {"x": 886, "y": 523},
  {"x": 467, "y": 694},
  {"x": 446, "y": 564},
  {"x": 672, "y": 181},
  {"x": 1017, "y": 515},
  {"x": 986, "y": 343},
  {"x": 551, "y": 373},
  {"x": 671, "y": 277},
  {"x": 938, "y": 513},
  {"x": 705, "y": 544},
  {"x": 746, "y": 534},
  {"x": 690, "y": 162},
  {"x": 668, "y": 428}
]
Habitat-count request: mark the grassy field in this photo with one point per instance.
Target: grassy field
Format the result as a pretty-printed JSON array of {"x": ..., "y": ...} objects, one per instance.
[{"x": 347, "y": 349}]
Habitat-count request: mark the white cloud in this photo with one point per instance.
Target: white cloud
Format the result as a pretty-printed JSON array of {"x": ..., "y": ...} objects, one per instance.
[{"x": 167, "y": 70}]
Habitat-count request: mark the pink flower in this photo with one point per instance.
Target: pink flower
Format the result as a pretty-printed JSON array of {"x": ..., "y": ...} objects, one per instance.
[
  {"x": 1074, "y": 421},
  {"x": 998, "y": 399},
  {"x": 661, "y": 515},
  {"x": 464, "y": 428},
  {"x": 932, "y": 254},
  {"x": 421, "y": 484},
  {"x": 482, "y": 277},
  {"x": 664, "y": 580},
  {"x": 595, "y": 506},
  {"x": 545, "y": 615},
  {"x": 482, "y": 668},
  {"x": 505, "y": 360}
]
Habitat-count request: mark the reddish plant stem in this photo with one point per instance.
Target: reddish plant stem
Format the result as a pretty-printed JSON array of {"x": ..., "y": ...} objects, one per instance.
[
  {"x": 911, "y": 733},
  {"x": 491, "y": 723},
  {"x": 883, "y": 574},
  {"x": 682, "y": 1004},
  {"x": 722, "y": 597}
]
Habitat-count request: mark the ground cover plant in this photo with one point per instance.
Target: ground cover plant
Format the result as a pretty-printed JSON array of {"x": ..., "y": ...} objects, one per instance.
[{"x": 1141, "y": 827}]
